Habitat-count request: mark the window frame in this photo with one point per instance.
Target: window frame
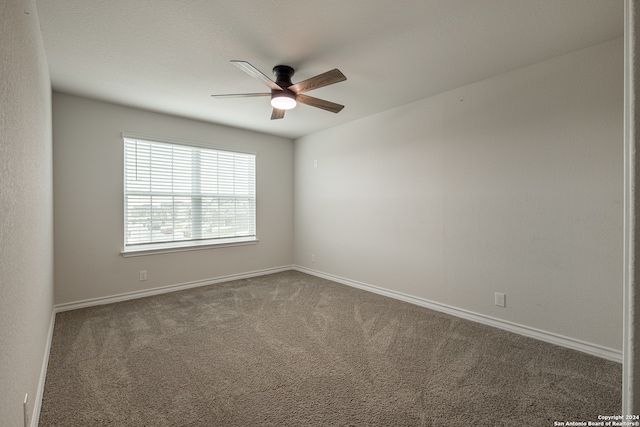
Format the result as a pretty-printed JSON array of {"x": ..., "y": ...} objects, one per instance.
[{"x": 183, "y": 245}]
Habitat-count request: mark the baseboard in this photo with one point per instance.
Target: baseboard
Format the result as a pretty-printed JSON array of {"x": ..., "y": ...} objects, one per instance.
[
  {"x": 589, "y": 348},
  {"x": 586, "y": 347},
  {"x": 165, "y": 289},
  {"x": 37, "y": 405}
]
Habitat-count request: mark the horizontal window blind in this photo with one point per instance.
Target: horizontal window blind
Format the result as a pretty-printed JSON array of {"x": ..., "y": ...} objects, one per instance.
[{"x": 179, "y": 194}]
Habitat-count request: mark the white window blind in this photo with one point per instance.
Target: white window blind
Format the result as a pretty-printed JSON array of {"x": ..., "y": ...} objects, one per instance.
[{"x": 180, "y": 196}]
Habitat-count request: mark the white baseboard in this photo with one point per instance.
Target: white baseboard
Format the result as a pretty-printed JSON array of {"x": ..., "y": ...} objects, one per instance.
[
  {"x": 550, "y": 337},
  {"x": 165, "y": 289},
  {"x": 586, "y": 347},
  {"x": 37, "y": 406}
]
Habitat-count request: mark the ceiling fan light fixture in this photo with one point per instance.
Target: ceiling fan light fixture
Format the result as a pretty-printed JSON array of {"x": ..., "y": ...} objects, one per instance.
[
  {"x": 283, "y": 100},
  {"x": 284, "y": 94}
]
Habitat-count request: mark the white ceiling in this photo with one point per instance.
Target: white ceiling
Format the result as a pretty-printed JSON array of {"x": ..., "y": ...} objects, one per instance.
[{"x": 171, "y": 55}]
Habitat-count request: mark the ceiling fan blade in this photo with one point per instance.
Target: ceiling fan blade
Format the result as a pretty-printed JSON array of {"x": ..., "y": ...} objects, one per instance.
[
  {"x": 319, "y": 103},
  {"x": 240, "y": 95},
  {"x": 256, "y": 74},
  {"x": 277, "y": 114},
  {"x": 321, "y": 80}
]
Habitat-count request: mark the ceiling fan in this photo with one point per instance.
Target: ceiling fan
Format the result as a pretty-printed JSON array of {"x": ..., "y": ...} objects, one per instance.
[{"x": 284, "y": 94}]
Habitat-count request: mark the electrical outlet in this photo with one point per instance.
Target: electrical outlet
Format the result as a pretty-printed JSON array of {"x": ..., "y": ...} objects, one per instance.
[
  {"x": 313, "y": 257},
  {"x": 315, "y": 163},
  {"x": 25, "y": 409},
  {"x": 143, "y": 275},
  {"x": 500, "y": 299}
]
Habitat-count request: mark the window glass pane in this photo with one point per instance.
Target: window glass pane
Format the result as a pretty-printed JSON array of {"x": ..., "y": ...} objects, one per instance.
[{"x": 138, "y": 223}]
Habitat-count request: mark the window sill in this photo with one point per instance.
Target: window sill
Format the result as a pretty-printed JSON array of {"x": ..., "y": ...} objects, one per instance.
[{"x": 185, "y": 246}]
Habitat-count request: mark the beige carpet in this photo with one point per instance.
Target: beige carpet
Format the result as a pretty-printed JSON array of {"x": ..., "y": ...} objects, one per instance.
[{"x": 291, "y": 349}]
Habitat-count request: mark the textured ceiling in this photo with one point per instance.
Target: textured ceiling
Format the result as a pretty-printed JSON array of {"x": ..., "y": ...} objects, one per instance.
[{"x": 171, "y": 55}]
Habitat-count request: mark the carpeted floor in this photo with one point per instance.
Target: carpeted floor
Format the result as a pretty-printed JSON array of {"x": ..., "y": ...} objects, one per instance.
[{"x": 291, "y": 349}]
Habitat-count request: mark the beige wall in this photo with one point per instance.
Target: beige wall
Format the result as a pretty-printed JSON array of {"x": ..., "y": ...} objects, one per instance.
[
  {"x": 26, "y": 209},
  {"x": 513, "y": 184},
  {"x": 88, "y": 153}
]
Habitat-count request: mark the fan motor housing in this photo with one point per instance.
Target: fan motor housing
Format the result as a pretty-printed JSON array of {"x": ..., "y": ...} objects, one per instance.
[{"x": 283, "y": 75}]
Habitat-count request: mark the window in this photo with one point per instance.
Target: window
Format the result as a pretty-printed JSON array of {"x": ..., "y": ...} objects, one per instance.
[{"x": 181, "y": 196}]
